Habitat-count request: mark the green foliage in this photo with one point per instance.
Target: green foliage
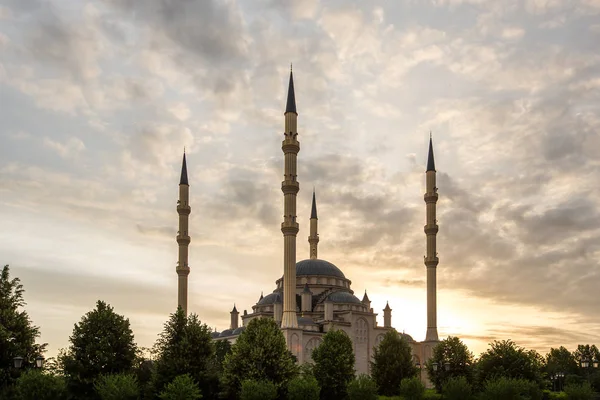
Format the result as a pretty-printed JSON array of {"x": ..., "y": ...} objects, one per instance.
[
  {"x": 258, "y": 390},
  {"x": 362, "y": 388},
  {"x": 511, "y": 389},
  {"x": 101, "y": 343},
  {"x": 561, "y": 360},
  {"x": 183, "y": 387},
  {"x": 222, "y": 348},
  {"x": 586, "y": 352},
  {"x": 37, "y": 385},
  {"x": 117, "y": 387},
  {"x": 454, "y": 352},
  {"x": 580, "y": 392},
  {"x": 303, "y": 387},
  {"x": 17, "y": 333},
  {"x": 185, "y": 347},
  {"x": 412, "y": 389},
  {"x": 457, "y": 388},
  {"x": 430, "y": 394},
  {"x": 334, "y": 364},
  {"x": 259, "y": 353},
  {"x": 392, "y": 362},
  {"x": 549, "y": 395},
  {"x": 506, "y": 359}
]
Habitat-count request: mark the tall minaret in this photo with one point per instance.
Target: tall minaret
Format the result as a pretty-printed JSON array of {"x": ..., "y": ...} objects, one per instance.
[
  {"x": 313, "y": 239},
  {"x": 431, "y": 260},
  {"x": 289, "y": 227},
  {"x": 183, "y": 237}
]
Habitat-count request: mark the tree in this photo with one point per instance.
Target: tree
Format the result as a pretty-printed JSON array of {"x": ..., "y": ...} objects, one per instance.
[
  {"x": 39, "y": 385},
  {"x": 258, "y": 390},
  {"x": 118, "y": 387},
  {"x": 222, "y": 348},
  {"x": 334, "y": 364},
  {"x": 101, "y": 343},
  {"x": 183, "y": 387},
  {"x": 511, "y": 389},
  {"x": 362, "y": 388},
  {"x": 412, "y": 389},
  {"x": 259, "y": 354},
  {"x": 586, "y": 353},
  {"x": 392, "y": 362},
  {"x": 303, "y": 387},
  {"x": 561, "y": 360},
  {"x": 457, "y": 388},
  {"x": 17, "y": 333},
  {"x": 185, "y": 347},
  {"x": 506, "y": 359},
  {"x": 456, "y": 355}
]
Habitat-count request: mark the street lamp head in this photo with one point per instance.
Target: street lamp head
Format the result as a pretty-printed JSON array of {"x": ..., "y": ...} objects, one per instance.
[
  {"x": 585, "y": 363},
  {"x": 39, "y": 362},
  {"x": 18, "y": 361},
  {"x": 596, "y": 364},
  {"x": 418, "y": 365},
  {"x": 435, "y": 366},
  {"x": 447, "y": 366}
]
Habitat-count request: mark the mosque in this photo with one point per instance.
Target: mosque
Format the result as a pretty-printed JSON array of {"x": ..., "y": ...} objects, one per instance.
[{"x": 314, "y": 296}]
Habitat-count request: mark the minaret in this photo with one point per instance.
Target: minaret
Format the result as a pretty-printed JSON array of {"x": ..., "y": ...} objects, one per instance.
[
  {"x": 235, "y": 316},
  {"x": 387, "y": 316},
  {"x": 183, "y": 238},
  {"x": 313, "y": 239},
  {"x": 431, "y": 259},
  {"x": 289, "y": 227}
]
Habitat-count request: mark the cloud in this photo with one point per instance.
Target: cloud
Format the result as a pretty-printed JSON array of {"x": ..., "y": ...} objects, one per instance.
[{"x": 70, "y": 149}]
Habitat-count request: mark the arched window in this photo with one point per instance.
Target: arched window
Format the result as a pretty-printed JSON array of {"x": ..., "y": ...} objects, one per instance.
[
  {"x": 379, "y": 339},
  {"x": 361, "y": 331},
  {"x": 310, "y": 346}
]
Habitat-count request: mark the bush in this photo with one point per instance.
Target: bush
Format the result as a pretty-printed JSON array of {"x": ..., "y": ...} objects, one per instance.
[
  {"x": 362, "y": 388},
  {"x": 412, "y": 389},
  {"x": 457, "y": 388},
  {"x": 430, "y": 394},
  {"x": 511, "y": 389},
  {"x": 555, "y": 395},
  {"x": 304, "y": 387},
  {"x": 37, "y": 385},
  {"x": 258, "y": 390},
  {"x": 580, "y": 392},
  {"x": 183, "y": 387},
  {"x": 117, "y": 387}
]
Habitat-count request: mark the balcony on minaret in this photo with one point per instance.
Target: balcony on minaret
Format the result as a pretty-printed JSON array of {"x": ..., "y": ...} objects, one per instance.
[
  {"x": 289, "y": 225},
  {"x": 183, "y": 208},
  {"x": 183, "y": 239},
  {"x": 431, "y": 197},
  {"x": 431, "y": 261},
  {"x": 182, "y": 268},
  {"x": 290, "y": 144},
  {"x": 431, "y": 229},
  {"x": 290, "y": 186}
]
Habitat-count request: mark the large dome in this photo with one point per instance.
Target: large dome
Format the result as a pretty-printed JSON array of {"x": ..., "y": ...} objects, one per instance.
[{"x": 318, "y": 267}]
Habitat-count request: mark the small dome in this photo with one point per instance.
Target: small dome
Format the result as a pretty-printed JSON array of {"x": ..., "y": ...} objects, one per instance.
[
  {"x": 226, "y": 332},
  {"x": 239, "y": 330},
  {"x": 269, "y": 299},
  {"x": 407, "y": 337},
  {"x": 318, "y": 267},
  {"x": 343, "y": 297},
  {"x": 214, "y": 334}
]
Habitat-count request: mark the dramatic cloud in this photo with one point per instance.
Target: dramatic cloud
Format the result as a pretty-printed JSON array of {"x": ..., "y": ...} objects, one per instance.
[{"x": 99, "y": 100}]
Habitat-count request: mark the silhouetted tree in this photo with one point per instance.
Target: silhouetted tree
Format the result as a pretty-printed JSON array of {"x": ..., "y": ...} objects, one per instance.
[
  {"x": 334, "y": 365},
  {"x": 456, "y": 355},
  {"x": 392, "y": 362}
]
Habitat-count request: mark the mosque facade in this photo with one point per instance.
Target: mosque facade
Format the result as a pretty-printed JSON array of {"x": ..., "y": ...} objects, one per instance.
[{"x": 314, "y": 296}]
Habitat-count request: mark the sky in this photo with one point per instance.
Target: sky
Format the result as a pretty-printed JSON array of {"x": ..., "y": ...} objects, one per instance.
[{"x": 99, "y": 98}]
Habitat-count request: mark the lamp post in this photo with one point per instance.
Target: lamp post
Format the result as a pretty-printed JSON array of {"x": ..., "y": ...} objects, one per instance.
[
  {"x": 586, "y": 364},
  {"x": 38, "y": 362}
]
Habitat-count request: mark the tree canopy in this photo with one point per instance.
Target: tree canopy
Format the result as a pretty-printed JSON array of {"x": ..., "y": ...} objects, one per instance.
[
  {"x": 260, "y": 354},
  {"x": 505, "y": 359},
  {"x": 561, "y": 360},
  {"x": 17, "y": 332},
  {"x": 392, "y": 362},
  {"x": 334, "y": 364},
  {"x": 101, "y": 343},
  {"x": 454, "y": 354},
  {"x": 185, "y": 347}
]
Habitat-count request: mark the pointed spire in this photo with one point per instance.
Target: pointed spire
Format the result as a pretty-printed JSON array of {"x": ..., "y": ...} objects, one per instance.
[
  {"x": 184, "y": 177},
  {"x": 313, "y": 213},
  {"x": 430, "y": 162},
  {"x": 261, "y": 296},
  {"x": 387, "y": 306},
  {"x": 291, "y": 98},
  {"x": 365, "y": 298},
  {"x": 234, "y": 309}
]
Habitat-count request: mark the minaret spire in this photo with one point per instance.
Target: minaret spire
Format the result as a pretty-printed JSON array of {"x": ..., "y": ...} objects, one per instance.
[
  {"x": 289, "y": 227},
  {"x": 431, "y": 259},
  {"x": 183, "y": 238},
  {"x": 313, "y": 239}
]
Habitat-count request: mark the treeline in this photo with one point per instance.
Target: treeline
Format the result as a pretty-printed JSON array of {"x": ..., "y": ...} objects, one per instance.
[{"x": 103, "y": 362}]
